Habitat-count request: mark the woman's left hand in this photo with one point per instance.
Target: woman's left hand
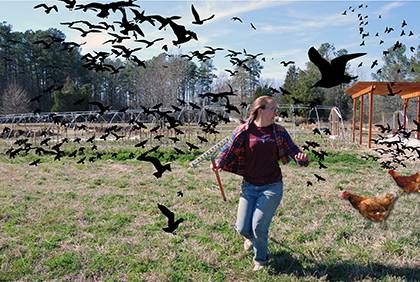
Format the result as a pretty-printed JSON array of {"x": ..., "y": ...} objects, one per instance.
[{"x": 301, "y": 157}]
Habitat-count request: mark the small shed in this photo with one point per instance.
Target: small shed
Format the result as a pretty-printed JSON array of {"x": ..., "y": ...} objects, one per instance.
[{"x": 405, "y": 90}]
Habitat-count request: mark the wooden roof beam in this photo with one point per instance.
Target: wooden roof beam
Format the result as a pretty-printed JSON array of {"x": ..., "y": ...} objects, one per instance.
[
  {"x": 411, "y": 95},
  {"x": 363, "y": 91}
]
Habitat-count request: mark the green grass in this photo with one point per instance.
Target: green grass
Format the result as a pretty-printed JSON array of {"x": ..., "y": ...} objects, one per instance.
[{"x": 100, "y": 221}]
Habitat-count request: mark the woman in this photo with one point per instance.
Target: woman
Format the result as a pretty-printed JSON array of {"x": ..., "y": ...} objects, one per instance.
[{"x": 253, "y": 152}]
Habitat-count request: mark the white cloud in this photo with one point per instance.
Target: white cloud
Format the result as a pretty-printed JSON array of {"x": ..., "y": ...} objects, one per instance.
[
  {"x": 389, "y": 7},
  {"x": 224, "y": 10}
]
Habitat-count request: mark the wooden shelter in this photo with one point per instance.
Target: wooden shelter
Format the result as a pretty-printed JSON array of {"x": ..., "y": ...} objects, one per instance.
[{"x": 405, "y": 90}]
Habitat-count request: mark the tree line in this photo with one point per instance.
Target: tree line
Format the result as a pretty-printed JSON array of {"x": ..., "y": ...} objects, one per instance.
[{"x": 34, "y": 78}]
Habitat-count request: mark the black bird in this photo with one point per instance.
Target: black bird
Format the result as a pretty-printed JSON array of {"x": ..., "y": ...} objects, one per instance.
[
  {"x": 45, "y": 141},
  {"x": 374, "y": 63},
  {"x": 332, "y": 74},
  {"x": 284, "y": 91},
  {"x": 316, "y": 131},
  {"x": 82, "y": 160},
  {"x": 390, "y": 92},
  {"x": 155, "y": 129},
  {"x": 139, "y": 63},
  {"x": 309, "y": 183},
  {"x": 384, "y": 129},
  {"x": 35, "y": 162},
  {"x": 253, "y": 26},
  {"x": 36, "y": 98},
  {"x": 174, "y": 139},
  {"x": 319, "y": 178},
  {"x": 411, "y": 33},
  {"x": 172, "y": 224},
  {"x": 202, "y": 139},
  {"x": 236, "y": 19},
  {"x": 396, "y": 46},
  {"x": 182, "y": 102},
  {"x": 69, "y": 3},
  {"x": 403, "y": 24},
  {"x": 106, "y": 7},
  {"x": 156, "y": 163},
  {"x": 149, "y": 43},
  {"x": 183, "y": 35},
  {"x": 118, "y": 38},
  {"x": 191, "y": 146},
  {"x": 197, "y": 19},
  {"x": 321, "y": 165},
  {"x": 178, "y": 151},
  {"x": 91, "y": 139},
  {"x": 141, "y": 144},
  {"x": 320, "y": 155},
  {"x": 180, "y": 194},
  {"x": 194, "y": 106},
  {"x": 284, "y": 63},
  {"x": 417, "y": 125},
  {"x": 102, "y": 108},
  {"x": 312, "y": 144},
  {"x": 123, "y": 110},
  {"x": 47, "y": 9},
  {"x": 326, "y": 131},
  {"x": 388, "y": 29}
]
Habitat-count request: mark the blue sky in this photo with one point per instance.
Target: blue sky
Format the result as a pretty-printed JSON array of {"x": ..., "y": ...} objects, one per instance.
[{"x": 285, "y": 30}]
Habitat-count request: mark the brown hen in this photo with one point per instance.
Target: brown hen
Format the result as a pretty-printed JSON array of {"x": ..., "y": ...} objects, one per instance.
[
  {"x": 373, "y": 208},
  {"x": 407, "y": 183}
]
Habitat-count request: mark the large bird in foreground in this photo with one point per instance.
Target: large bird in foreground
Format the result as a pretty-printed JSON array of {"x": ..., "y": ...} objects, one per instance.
[
  {"x": 332, "y": 73},
  {"x": 373, "y": 208},
  {"x": 407, "y": 184}
]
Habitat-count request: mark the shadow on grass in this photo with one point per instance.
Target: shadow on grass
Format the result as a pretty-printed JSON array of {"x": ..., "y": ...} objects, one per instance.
[{"x": 284, "y": 263}]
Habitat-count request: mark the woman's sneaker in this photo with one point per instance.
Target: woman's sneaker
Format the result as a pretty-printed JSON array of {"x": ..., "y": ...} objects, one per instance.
[
  {"x": 247, "y": 245},
  {"x": 259, "y": 265}
]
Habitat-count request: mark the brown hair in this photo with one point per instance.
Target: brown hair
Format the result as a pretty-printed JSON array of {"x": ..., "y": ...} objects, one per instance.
[{"x": 259, "y": 103}]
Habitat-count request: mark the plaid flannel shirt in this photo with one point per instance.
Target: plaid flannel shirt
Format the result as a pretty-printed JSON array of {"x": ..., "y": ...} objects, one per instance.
[{"x": 232, "y": 154}]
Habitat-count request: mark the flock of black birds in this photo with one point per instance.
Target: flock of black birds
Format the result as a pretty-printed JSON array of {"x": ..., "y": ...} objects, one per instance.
[
  {"x": 332, "y": 74},
  {"x": 363, "y": 25}
]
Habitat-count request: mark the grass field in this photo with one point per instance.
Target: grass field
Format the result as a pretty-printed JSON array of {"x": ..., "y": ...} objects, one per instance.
[{"x": 99, "y": 221}]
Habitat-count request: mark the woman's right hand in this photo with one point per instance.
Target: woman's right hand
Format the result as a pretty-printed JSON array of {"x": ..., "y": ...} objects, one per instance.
[{"x": 214, "y": 167}]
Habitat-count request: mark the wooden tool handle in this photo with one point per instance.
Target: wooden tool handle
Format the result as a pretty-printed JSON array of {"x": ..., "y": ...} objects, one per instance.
[{"x": 218, "y": 180}]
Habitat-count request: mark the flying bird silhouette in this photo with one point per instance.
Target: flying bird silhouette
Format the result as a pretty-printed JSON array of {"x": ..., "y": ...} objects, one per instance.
[
  {"x": 172, "y": 224},
  {"x": 236, "y": 19},
  {"x": 47, "y": 9},
  {"x": 284, "y": 63},
  {"x": 332, "y": 73},
  {"x": 102, "y": 108},
  {"x": 156, "y": 163},
  {"x": 197, "y": 19}
]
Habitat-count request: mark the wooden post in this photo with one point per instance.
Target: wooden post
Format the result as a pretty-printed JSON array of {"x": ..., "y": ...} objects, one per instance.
[
  {"x": 418, "y": 116},
  {"x": 370, "y": 117},
  {"x": 353, "y": 131},
  {"x": 361, "y": 120},
  {"x": 405, "y": 105}
]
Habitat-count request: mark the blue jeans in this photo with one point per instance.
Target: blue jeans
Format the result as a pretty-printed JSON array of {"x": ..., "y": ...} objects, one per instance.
[{"x": 257, "y": 205}]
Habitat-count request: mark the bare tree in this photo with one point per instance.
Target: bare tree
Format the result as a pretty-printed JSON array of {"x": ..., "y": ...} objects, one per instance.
[{"x": 14, "y": 99}]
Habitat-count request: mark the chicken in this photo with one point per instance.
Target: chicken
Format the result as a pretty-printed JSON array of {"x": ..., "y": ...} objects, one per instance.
[
  {"x": 373, "y": 208},
  {"x": 407, "y": 183}
]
